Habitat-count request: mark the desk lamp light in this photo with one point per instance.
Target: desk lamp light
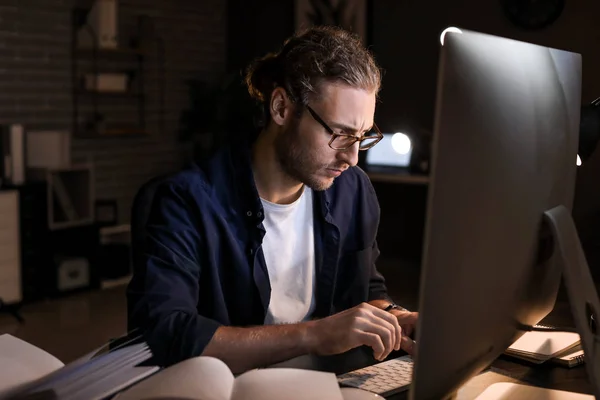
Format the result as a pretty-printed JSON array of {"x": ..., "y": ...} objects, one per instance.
[{"x": 401, "y": 143}]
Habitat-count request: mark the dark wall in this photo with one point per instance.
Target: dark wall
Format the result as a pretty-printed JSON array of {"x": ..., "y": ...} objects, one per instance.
[
  {"x": 35, "y": 81},
  {"x": 406, "y": 42},
  {"x": 256, "y": 27}
]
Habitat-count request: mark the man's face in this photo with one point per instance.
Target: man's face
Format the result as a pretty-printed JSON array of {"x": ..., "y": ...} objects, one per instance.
[{"x": 302, "y": 146}]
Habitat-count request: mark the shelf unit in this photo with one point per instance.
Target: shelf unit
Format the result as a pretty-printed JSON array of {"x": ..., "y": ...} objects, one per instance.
[
  {"x": 70, "y": 194},
  {"x": 91, "y": 115}
]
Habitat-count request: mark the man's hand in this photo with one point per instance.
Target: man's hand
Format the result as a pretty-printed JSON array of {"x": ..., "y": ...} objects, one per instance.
[
  {"x": 407, "y": 321},
  {"x": 362, "y": 325}
]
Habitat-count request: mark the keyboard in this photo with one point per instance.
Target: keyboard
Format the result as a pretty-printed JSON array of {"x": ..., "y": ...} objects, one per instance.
[{"x": 385, "y": 379}]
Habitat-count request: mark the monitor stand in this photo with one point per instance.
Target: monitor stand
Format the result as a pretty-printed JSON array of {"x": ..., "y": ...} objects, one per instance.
[
  {"x": 583, "y": 299},
  {"x": 581, "y": 290},
  {"x": 585, "y": 305}
]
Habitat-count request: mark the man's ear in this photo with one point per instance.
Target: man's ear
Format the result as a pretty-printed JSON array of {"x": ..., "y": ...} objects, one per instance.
[{"x": 281, "y": 107}]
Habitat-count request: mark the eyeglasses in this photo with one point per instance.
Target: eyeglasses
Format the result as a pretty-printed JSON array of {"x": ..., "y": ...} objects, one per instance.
[{"x": 343, "y": 141}]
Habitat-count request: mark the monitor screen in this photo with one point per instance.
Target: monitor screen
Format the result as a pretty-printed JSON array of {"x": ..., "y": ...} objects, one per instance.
[
  {"x": 394, "y": 150},
  {"x": 504, "y": 153}
]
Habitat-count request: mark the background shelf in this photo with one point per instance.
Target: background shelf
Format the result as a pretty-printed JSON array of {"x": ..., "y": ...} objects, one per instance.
[{"x": 96, "y": 112}]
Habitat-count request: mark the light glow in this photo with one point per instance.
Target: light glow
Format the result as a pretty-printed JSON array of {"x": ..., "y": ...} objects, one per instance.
[
  {"x": 451, "y": 29},
  {"x": 401, "y": 143}
]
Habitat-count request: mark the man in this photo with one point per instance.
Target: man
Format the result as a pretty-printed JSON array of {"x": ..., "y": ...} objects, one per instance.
[{"x": 267, "y": 250}]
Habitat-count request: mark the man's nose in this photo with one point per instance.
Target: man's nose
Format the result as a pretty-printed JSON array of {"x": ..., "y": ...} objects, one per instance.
[{"x": 350, "y": 155}]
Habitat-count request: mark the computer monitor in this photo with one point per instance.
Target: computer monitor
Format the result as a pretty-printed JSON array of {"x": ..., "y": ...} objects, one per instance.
[
  {"x": 393, "y": 152},
  {"x": 504, "y": 152}
]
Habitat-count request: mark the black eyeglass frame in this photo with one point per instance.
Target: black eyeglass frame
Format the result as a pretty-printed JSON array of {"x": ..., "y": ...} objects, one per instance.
[{"x": 355, "y": 138}]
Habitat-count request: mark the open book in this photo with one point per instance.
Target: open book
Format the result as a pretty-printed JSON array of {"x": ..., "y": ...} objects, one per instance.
[
  {"x": 208, "y": 378},
  {"x": 538, "y": 347},
  {"x": 21, "y": 363},
  {"x": 26, "y": 370}
]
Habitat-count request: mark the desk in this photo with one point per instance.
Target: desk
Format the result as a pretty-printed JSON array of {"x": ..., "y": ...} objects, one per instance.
[{"x": 504, "y": 369}]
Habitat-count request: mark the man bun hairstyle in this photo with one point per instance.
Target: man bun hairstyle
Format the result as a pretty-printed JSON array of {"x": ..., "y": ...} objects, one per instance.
[
  {"x": 262, "y": 75},
  {"x": 309, "y": 58}
]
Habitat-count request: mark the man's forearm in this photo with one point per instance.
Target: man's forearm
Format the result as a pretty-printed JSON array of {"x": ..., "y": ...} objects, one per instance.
[{"x": 246, "y": 348}]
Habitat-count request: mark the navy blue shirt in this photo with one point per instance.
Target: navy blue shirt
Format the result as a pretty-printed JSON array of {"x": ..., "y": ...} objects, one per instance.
[{"x": 203, "y": 266}]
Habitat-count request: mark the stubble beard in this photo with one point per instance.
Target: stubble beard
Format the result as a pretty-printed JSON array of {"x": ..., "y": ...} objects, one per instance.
[{"x": 297, "y": 162}]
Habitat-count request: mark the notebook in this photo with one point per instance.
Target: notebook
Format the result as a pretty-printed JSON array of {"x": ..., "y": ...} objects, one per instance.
[
  {"x": 572, "y": 359},
  {"x": 539, "y": 347}
]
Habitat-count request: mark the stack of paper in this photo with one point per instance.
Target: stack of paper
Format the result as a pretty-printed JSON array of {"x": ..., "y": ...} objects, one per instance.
[{"x": 87, "y": 378}]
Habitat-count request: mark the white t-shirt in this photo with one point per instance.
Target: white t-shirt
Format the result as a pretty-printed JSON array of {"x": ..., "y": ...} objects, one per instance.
[{"x": 288, "y": 247}]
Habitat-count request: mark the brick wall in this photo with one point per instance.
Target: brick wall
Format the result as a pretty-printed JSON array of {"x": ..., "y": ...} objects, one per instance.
[{"x": 35, "y": 82}]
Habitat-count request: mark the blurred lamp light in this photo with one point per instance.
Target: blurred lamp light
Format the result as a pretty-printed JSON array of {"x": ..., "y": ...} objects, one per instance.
[
  {"x": 578, "y": 160},
  {"x": 401, "y": 143},
  {"x": 451, "y": 29}
]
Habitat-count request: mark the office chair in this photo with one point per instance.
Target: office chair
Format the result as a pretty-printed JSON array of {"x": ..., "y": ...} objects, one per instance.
[{"x": 140, "y": 212}]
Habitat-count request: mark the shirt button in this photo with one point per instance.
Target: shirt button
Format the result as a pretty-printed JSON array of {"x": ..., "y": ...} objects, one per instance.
[
  {"x": 251, "y": 251},
  {"x": 259, "y": 214},
  {"x": 249, "y": 213}
]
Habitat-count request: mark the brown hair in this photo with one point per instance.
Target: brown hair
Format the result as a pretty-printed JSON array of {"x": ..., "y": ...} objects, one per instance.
[{"x": 309, "y": 58}]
